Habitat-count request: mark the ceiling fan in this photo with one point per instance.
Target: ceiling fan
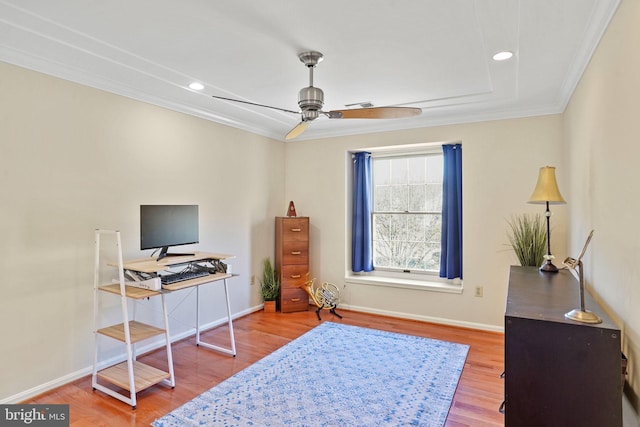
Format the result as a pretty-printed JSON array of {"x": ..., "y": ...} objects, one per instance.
[{"x": 311, "y": 100}]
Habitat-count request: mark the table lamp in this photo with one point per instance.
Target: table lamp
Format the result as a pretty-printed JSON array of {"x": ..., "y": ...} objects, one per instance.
[{"x": 547, "y": 192}]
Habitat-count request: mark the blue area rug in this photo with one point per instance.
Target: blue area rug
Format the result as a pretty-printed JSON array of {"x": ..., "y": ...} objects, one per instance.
[{"x": 335, "y": 375}]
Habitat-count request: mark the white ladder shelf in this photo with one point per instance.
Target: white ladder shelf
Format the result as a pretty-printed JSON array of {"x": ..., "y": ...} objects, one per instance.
[{"x": 130, "y": 375}]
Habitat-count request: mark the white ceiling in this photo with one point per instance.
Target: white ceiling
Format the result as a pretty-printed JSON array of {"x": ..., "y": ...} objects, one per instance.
[{"x": 432, "y": 54}]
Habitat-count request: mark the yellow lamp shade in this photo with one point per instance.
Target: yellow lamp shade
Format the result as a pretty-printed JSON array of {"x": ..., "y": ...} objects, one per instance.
[{"x": 547, "y": 188}]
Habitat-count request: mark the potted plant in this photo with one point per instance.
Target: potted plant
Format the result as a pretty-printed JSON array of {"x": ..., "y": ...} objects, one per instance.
[
  {"x": 528, "y": 238},
  {"x": 269, "y": 286}
]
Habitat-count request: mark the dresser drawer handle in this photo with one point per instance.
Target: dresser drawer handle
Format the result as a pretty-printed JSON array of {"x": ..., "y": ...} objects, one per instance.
[
  {"x": 295, "y": 299},
  {"x": 296, "y": 230},
  {"x": 295, "y": 252},
  {"x": 295, "y": 276}
]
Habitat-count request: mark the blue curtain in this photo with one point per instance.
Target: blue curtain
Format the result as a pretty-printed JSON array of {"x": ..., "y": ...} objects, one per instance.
[
  {"x": 361, "y": 241},
  {"x": 451, "y": 239}
]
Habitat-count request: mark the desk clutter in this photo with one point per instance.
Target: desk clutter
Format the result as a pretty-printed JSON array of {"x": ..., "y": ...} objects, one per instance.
[
  {"x": 186, "y": 271},
  {"x": 152, "y": 284}
]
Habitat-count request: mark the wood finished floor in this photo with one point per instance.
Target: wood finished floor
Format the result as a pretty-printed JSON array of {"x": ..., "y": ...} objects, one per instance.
[{"x": 476, "y": 402}]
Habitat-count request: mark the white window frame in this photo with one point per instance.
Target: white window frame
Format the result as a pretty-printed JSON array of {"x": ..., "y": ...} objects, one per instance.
[{"x": 421, "y": 280}]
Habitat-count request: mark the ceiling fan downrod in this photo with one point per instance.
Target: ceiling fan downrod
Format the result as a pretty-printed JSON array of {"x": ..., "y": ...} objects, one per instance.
[{"x": 310, "y": 99}]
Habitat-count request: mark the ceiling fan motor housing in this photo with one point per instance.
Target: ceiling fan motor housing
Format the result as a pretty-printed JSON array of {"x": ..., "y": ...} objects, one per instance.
[{"x": 310, "y": 98}]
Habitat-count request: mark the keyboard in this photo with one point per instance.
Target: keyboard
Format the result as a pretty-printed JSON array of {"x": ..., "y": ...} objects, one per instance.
[{"x": 169, "y": 279}]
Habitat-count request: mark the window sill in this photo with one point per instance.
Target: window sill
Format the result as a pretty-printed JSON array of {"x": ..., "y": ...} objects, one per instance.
[{"x": 447, "y": 286}]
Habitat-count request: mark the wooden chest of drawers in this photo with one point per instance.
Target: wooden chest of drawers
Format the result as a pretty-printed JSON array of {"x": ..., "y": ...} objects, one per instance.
[
  {"x": 292, "y": 262},
  {"x": 558, "y": 372}
]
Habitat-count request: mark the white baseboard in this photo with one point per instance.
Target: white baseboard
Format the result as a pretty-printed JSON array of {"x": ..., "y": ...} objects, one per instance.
[
  {"x": 73, "y": 376},
  {"x": 439, "y": 320}
]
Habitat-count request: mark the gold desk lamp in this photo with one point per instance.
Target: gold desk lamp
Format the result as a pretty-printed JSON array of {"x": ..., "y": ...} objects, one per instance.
[{"x": 582, "y": 314}]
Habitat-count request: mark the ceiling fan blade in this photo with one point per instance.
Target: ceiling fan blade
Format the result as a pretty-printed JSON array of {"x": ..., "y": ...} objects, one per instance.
[
  {"x": 255, "y": 104},
  {"x": 297, "y": 131},
  {"x": 375, "y": 113}
]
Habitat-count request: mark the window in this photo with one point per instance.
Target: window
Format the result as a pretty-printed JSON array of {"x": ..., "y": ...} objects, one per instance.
[
  {"x": 406, "y": 217},
  {"x": 407, "y": 212}
]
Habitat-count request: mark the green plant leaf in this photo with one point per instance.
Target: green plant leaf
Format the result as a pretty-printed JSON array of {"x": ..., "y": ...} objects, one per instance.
[
  {"x": 270, "y": 283},
  {"x": 528, "y": 238}
]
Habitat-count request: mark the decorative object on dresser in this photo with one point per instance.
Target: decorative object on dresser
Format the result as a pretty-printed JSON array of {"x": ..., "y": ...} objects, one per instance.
[
  {"x": 325, "y": 296},
  {"x": 291, "y": 212},
  {"x": 269, "y": 286},
  {"x": 558, "y": 372},
  {"x": 547, "y": 192},
  {"x": 527, "y": 238},
  {"x": 581, "y": 314},
  {"x": 292, "y": 262}
]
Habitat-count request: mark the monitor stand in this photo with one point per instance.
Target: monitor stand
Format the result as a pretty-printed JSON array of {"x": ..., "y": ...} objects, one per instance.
[{"x": 164, "y": 253}]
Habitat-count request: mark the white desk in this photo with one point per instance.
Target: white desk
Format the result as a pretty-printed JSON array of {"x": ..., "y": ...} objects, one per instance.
[{"x": 152, "y": 267}]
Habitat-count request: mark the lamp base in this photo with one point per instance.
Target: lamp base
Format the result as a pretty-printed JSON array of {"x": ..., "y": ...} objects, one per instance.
[
  {"x": 583, "y": 316},
  {"x": 548, "y": 267}
]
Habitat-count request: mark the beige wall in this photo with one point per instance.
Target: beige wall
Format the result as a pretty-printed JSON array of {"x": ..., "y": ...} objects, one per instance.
[
  {"x": 74, "y": 159},
  {"x": 501, "y": 160},
  {"x": 602, "y": 128}
]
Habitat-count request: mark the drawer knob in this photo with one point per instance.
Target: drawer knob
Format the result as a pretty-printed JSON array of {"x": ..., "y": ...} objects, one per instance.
[
  {"x": 295, "y": 299},
  {"x": 295, "y": 252},
  {"x": 296, "y": 230},
  {"x": 295, "y": 276}
]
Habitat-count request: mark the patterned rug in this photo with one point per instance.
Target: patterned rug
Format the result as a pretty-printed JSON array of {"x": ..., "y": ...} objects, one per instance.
[{"x": 335, "y": 375}]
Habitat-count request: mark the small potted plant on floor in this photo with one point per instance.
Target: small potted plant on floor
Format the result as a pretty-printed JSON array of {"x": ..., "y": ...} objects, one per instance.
[{"x": 269, "y": 286}]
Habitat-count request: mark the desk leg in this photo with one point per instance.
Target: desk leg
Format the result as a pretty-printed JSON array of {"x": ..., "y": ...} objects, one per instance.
[
  {"x": 197, "y": 315},
  {"x": 231, "y": 351},
  {"x": 231, "y": 336},
  {"x": 172, "y": 379}
]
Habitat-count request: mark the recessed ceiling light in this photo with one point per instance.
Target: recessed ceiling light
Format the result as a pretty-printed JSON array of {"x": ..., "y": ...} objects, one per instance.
[
  {"x": 501, "y": 56},
  {"x": 196, "y": 86}
]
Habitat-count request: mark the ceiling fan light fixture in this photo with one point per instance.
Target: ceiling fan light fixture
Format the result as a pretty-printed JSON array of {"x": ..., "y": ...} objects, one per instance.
[{"x": 503, "y": 55}]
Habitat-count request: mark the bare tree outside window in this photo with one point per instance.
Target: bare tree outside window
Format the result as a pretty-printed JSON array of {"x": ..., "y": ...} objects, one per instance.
[{"x": 407, "y": 212}]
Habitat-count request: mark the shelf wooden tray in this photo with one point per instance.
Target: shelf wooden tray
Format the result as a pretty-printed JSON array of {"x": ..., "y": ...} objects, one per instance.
[
  {"x": 130, "y": 291},
  {"x": 145, "y": 375},
  {"x": 139, "y": 331}
]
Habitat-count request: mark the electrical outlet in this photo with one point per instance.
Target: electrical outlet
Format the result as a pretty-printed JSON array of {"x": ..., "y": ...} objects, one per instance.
[{"x": 479, "y": 291}]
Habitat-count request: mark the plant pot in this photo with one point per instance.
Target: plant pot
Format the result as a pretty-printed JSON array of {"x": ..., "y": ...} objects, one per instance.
[{"x": 269, "y": 306}]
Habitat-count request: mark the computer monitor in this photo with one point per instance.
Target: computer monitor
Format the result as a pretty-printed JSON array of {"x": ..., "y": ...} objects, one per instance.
[{"x": 162, "y": 226}]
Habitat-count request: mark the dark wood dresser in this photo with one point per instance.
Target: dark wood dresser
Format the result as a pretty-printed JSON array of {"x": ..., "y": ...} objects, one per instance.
[
  {"x": 292, "y": 262},
  {"x": 558, "y": 372}
]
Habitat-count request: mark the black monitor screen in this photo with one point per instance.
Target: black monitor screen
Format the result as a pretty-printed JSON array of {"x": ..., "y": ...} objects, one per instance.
[{"x": 162, "y": 226}]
